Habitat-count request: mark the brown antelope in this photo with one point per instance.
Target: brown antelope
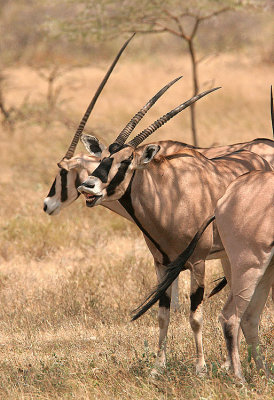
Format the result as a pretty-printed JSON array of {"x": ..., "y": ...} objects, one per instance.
[
  {"x": 245, "y": 220},
  {"x": 167, "y": 197},
  {"x": 73, "y": 169}
]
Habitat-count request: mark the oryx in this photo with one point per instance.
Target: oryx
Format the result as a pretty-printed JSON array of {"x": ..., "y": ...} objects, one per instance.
[
  {"x": 74, "y": 169},
  {"x": 245, "y": 220},
  {"x": 167, "y": 196}
]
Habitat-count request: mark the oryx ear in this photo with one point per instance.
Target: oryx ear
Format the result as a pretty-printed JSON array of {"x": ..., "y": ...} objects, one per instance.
[
  {"x": 149, "y": 153},
  {"x": 92, "y": 144}
]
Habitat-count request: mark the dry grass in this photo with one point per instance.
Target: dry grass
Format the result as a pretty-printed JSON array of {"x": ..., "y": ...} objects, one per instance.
[{"x": 67, "y": 284}]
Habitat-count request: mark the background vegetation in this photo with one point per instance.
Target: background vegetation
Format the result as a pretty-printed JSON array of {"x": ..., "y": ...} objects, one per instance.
[{"x": 67, "y": 284}]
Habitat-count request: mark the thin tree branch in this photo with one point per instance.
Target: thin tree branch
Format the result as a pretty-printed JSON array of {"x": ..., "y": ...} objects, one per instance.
[
  {"x": 215, "y": 13},
  {"x": 178, "y": 23},
  {"x": 195, "y": 28}
]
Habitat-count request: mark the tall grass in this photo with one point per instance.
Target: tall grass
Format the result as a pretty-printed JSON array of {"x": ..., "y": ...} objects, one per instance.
[{"x": 67, "y": 284}]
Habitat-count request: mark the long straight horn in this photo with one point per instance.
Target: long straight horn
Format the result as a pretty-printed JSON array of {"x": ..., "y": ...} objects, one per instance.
[
  {"x": 161, "y": 121},
  {"x": 124, "y": 134},
  {"x": 82, "y": 124}
]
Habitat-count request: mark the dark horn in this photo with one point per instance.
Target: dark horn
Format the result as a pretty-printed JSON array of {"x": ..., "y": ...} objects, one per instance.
[
  {"x": 82, "y": 124},
  {"x": 161, "y": 121},
  {"x": 124, "y": 134}
]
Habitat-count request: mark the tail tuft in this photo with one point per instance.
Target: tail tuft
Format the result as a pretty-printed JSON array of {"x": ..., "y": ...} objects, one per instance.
[{"x": 218, "y": 288}]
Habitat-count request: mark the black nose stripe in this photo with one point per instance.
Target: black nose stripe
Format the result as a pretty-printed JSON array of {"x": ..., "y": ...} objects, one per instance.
[
  {"x": 52, "y": 189},
  {"x": 45, "y": 207}
]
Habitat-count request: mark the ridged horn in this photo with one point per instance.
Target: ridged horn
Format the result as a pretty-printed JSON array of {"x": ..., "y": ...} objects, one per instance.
[
  {"x": 82, "y": 124},
  {"x": 161, "y": 121},
  {"x": 124, "y": 134}
]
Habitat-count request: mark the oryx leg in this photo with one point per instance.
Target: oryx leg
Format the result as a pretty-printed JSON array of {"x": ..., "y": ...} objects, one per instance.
[
  {"x": 251, "y": 317},
  {"x": 196, "y": 312},
  {"x": 175, "y": 305},
  {"x": 227, "y": 271},
  {"x": 231, "y": 326},
  {"x": 163, "y": 320}
]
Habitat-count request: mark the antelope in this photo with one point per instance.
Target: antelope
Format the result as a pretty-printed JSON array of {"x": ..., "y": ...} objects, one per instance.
[
  {"x": 72, "y": 170},
  {"x": 244, "y": 217},
  {"x": 150, "y": 186}
]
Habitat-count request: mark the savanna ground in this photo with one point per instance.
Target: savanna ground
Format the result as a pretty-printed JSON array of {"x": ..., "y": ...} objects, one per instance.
[{"x": 68, "y": 283}]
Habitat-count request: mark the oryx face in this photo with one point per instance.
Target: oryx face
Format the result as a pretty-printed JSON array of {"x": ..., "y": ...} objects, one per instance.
[
  {"x": 64, "y": 188},
  {"x": 109, "y": 180}
]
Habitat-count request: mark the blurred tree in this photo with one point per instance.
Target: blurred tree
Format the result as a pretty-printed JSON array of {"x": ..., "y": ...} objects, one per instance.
[{"x": 106, "y": 19}]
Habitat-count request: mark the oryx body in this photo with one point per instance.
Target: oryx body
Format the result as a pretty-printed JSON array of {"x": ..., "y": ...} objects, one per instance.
[
  {"x": 168, "y": 197},
  {"x": 245, "y": 221}
]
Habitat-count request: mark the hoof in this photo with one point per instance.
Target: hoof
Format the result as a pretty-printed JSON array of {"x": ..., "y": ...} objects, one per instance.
[
  {"x": 201, "y": 370},
  {"x": 156, "y": 372},
  {"x": 226, "y": 365}
]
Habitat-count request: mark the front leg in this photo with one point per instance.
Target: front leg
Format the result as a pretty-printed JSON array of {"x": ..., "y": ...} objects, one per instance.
[
  {"x": 196, "y": 312},
  {"x": 163, "y": 320}
]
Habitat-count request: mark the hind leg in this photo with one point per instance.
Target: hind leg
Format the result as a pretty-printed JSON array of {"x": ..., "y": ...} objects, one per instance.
[
  {"x": 196, "y": 312},
  {"x": 227, "y": 271},
  {"x": 251, "y": 317},
  {"x": 231, "y": 327}
]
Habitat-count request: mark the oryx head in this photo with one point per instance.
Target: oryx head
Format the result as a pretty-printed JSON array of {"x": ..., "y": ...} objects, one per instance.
[
  {"x": 73, "y": 173},
  {"x": 111, "y": 178},
  {"x": 74, "y": 170}
]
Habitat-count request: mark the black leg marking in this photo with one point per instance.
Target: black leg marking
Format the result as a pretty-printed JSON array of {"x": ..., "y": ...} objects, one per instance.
[
  {"x": 64, "y": 189},
  {"x": 228, "y": 338},
  {"x": 196, "y": 298},
  {"x": 164, "y": 301},
  {"x": 126, "y": 202},
  {"x": 52, "y": 189}
]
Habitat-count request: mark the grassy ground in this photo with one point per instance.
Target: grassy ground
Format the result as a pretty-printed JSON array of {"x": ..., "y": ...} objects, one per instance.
[{"x": 67, "y": 284}]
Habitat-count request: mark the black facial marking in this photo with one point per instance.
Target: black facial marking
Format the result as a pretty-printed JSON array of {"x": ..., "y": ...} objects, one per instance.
[
  {"x": 118, "y": 177},
  {"x": 196, "y": 298},
  {"x": 103, "y": 169},
  {"x": 64, "y": 189},
  {"x": 164, "y": 301},
  {"x": 126, "y": 202},
  {"x": 114, "y": 147},
  {"x": 52, "y": 189}
]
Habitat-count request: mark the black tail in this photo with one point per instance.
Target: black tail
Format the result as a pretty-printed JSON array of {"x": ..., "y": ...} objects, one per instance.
[
  {"x": 173, "y": 270},
  {"x": 271, "y": 109},
  {"x": 218, "y": 288}
]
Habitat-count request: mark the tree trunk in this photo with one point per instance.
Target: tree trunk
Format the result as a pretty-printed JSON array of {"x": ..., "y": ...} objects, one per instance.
[{"x": 196, "y": 89}]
